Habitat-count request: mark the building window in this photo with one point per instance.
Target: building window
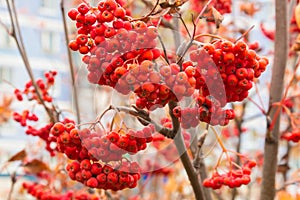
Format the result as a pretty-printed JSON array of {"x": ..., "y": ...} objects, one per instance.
[{"x": 50, "y": 41}]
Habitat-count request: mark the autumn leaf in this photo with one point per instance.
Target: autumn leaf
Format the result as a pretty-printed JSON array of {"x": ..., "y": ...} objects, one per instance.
[
  {"x": 5, "y": 111},
  {"x": 35, "y": 166},
  {"x": 297, "y": 14},
  {"x": 248, "y": 8},
  {"x": 18, "y": 156},
  {"x": 284, "y": 195}
]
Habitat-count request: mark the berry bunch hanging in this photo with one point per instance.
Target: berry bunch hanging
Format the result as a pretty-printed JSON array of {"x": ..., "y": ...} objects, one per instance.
[
  {"x": 89, "y": 149},
  {"x": 233, "y": 178},
  {"x": 43, "y": 86}
]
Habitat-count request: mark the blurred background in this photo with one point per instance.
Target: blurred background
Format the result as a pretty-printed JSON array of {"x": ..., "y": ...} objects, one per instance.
[{"x": 43, "y": 34}]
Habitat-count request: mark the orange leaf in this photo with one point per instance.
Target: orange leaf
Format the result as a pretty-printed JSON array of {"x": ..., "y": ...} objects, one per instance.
[
  {"x": 284, "y": 195},
  {"x": 35, "y": 166},
  {"x": 5, "y": 111},
  {"x": 297, "y": 14},
  {"x": 18, "y": 156}
]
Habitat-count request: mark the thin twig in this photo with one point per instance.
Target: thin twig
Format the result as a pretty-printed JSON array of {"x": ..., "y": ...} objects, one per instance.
[
  {"x": 164, "y": 49},
  {"x": 16, "y": 34},
  {"x": 239, "y": 122},
  {"x": 184, "y": 24},
  {"x": 70, "y": 62},
  {"x": 149, "y": 14},
  {"x": 140, "y": 114},
  {"x": 5, "y": 27},
  {"x": 202, "y": 11},
  {"x": 13, "y": 178},
  {"x": 188, "y": 46},
  {"x": 287, "y": 184},
  {"x": 244, "y": 34},
  {"x": 200, "y": 143}
]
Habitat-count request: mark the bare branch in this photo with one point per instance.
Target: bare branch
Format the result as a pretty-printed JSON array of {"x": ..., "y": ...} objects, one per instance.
[{"x": 70, "y": 62}]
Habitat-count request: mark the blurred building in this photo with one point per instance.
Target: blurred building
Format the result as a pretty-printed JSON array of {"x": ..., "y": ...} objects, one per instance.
[{"x": 43, "y": 34}]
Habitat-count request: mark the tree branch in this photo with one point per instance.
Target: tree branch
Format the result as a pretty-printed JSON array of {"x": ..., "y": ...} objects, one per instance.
[
  {"x": 188, "y": 166},
  {"x": 272, "y": 136},
  {"x": 72, "y": 71}
]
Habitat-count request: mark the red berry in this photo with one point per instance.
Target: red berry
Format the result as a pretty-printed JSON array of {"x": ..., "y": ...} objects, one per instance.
[
  {"x": 120, "y": 13},
  {"x": 73, "y": 13},
  {"x": 57, "y": 129},
  {"x": 85, "y": 164},
  {"x": 84, "y": 49},
  {"x": 73, "y": 45},
  {"x": 92, "y": 182},
  {"x": 83, "y": 8}
]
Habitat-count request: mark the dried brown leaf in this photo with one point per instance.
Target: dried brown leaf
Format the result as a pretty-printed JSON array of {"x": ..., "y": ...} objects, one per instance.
[
  {"x": 249, "y": 8},
  {"x": 18, "y": 156},
  {"x": 35, "y": 166}
]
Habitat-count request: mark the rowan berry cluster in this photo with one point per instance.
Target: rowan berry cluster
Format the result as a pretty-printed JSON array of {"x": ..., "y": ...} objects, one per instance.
[
  {"x": 43, "y": 192},
  {"x": 111, "y": 40},
  {"x": 208, "y": 110},
  {"x": 234, "y": 63},
  {"x": 43, "y": 87},
  {"x": 233, "y": 178},
  {"x": 293, "y": 136},
  {"x": 104, "y": 176},
  {"x": 85, "y": 144},
  {"x": 88, "y": 149},
  {"x": 147, "y": 84},
  {"x": 223, "y": 6},
  {"x": 24, "y": 116}
]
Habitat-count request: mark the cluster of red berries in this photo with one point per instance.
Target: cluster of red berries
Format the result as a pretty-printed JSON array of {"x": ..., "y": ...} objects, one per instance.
[
  {"x": 23, "y": 118},
  {"x": 95, "y": 175},
  {"x": 293, "y": 136},
  {"x": 147, "y": 84},
  {"x": 233, "y": 178},
  {"x": 223, "y": 6},
  {"x": 68, "y": 141},
  {"x": 43, "y": 87},
  {"x": 87, "y": 148},
  {"x": 26, "y": 115},
  {"x": 181, "y": 82},
  {"x": 208, "y": 110},
  {"x": 112, "y": 146},
  {"x": 156, "y": 88},
  {"x": 110, "y": 41},
  {"x": 234, "y": 63},
  {"x": 84, "y": 144},
  {"x": 43, "y": 192},
  {"x": 44, "y": 134}
]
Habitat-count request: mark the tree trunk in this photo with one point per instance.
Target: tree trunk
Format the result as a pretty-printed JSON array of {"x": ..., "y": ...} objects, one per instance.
[{"x": 271, "y": 142}]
